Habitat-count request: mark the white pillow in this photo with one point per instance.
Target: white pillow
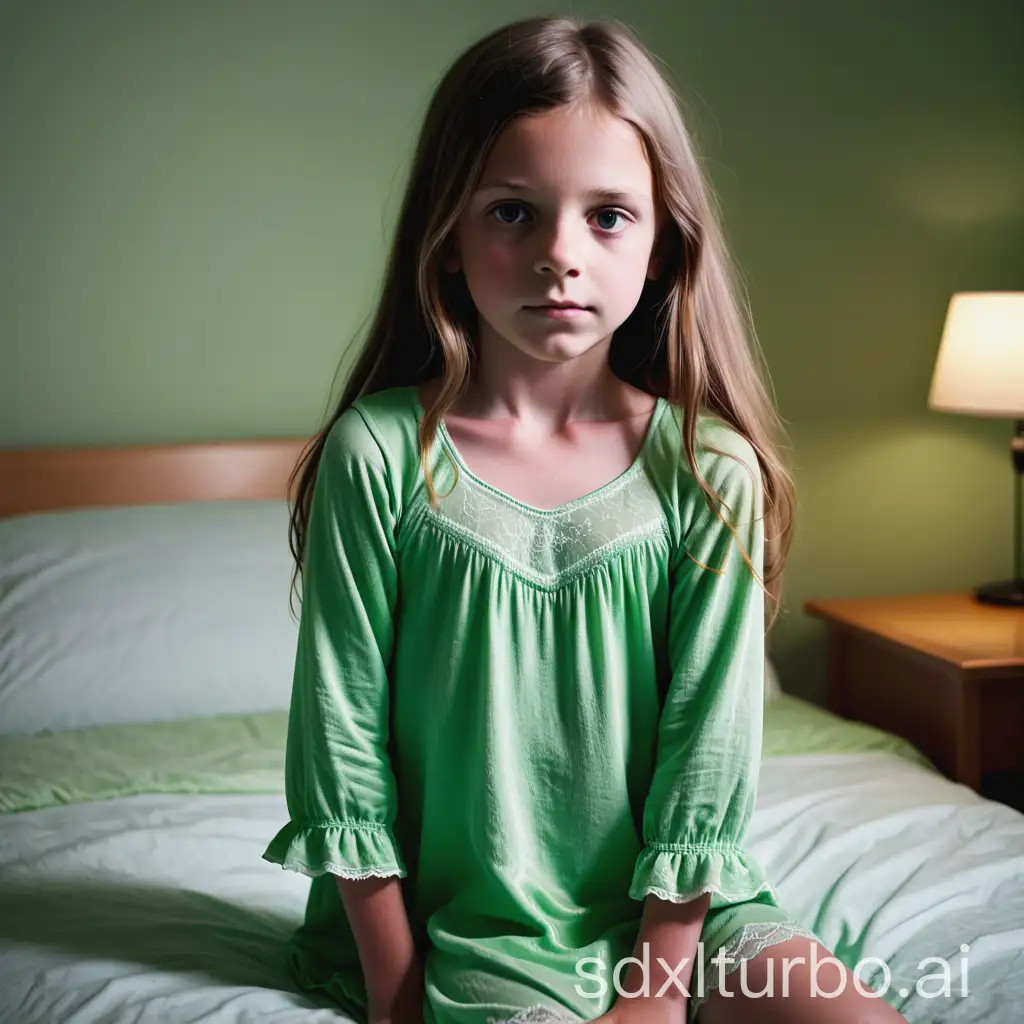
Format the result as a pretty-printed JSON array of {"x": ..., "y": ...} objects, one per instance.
[
  {"x": 144, "y": 613},
  {"x": 772, "y": 687}
]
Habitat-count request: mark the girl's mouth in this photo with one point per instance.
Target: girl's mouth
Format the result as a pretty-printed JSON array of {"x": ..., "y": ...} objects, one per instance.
[{"x": 559, "y": 312}]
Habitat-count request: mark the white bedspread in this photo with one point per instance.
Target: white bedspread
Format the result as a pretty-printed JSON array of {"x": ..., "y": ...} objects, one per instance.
[{"x": 160, "y": 908}]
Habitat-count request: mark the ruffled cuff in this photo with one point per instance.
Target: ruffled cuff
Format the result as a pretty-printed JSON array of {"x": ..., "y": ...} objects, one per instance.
[
  {"x": 679, "y": 873},
  {"x": 350, "y": 850}
]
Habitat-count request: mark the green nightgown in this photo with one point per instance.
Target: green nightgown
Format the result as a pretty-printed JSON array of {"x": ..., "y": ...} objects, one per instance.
[{"x": 535, "y": 717}]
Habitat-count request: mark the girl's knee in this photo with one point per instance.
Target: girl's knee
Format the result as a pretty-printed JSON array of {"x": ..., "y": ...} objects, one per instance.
[{"x": 794, "y": 982}]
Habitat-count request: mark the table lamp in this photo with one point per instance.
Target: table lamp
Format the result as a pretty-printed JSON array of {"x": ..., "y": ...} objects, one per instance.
[{"x": 980, "y": 371}]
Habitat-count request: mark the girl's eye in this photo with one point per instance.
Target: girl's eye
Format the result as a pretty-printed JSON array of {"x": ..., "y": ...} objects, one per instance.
[
  {"x": 607, "y": 219},
  {"x": 507, "y": 207},
  {"x": 609, "y": 213}
]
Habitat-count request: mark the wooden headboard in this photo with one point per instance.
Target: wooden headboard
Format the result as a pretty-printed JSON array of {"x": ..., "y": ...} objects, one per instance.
[{"x": 45, "y": 479}]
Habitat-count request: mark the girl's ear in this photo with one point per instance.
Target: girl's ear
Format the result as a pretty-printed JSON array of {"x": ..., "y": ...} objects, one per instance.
[
  {"x": 450, "y": 261},
  {"x": 654, "y": 266},
  {"x": 655, "y": 262}
]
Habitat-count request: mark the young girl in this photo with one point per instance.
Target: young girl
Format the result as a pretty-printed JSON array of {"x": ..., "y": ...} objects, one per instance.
[{"x": 526, "y": 715}]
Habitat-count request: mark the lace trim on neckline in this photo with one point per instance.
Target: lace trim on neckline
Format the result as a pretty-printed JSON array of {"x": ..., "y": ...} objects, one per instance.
[
  {"x": 550, "y": 551},
  {"x": 660, "y": 404}
]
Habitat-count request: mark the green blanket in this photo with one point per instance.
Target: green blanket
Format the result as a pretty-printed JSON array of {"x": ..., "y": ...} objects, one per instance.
[
  {"x": 245, "y": 754},
  {"x": 222, "y": 754}
]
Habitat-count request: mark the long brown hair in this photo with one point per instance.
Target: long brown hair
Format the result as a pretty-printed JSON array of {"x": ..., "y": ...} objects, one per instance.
[{"x": 690, "y": 339}]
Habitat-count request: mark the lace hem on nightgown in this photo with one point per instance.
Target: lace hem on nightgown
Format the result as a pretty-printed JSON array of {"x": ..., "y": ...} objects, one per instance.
[
  {"x": 680, "y": 872},
  {"x": 749, "y": 942},
  {"x": 674, "y": 897},
  {"x": 752, "y": 940},
  {"x": 535, "y": 1015},
  {"x": 349, "y": 849}
]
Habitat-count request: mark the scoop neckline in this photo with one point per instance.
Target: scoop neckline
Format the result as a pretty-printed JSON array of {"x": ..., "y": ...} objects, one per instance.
[{"x": 633, "y": 468}]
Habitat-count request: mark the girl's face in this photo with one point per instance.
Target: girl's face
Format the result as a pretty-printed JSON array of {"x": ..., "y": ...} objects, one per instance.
[{"x": 564, "y": 212}]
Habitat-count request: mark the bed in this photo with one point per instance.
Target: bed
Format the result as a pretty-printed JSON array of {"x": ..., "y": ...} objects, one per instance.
[{"x": 146, "y": 647}]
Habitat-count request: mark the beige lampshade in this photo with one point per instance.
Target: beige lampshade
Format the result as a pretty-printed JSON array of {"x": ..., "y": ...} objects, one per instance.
[{"x": 980, "y": 366}]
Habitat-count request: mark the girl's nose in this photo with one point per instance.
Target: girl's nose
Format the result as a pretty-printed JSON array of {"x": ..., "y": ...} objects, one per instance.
[{"x": 557, "y": 252}]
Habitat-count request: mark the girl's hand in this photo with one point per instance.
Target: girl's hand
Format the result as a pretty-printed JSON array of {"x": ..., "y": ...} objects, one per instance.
[
  {"x": 396, "y": 1014},
  {"x": 644, "y": 1011},
  {"x": 404, "y": 1010},
  {"x": 407, "y": 1005}
]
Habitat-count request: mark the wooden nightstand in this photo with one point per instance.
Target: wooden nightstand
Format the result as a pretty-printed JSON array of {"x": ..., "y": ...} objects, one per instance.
[{"x": 942, "y": 670}]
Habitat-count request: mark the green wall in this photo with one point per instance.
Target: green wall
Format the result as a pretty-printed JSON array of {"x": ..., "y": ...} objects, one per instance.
[{"x": 195, "y": 200}]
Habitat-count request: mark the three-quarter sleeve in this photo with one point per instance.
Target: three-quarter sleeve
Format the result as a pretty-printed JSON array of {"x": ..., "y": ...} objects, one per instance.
[
  {"x": 703, "y": 789},
  {"x": 340, "y": 788}
]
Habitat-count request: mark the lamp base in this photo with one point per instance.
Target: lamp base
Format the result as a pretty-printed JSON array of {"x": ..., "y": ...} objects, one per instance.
[{"x": 1005, "y": 592}]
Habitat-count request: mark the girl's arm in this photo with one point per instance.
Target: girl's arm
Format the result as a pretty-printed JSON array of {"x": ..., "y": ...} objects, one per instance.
[
  {"x": 340, "y": 786},
  {"x": 391, "y": 966},
  {"x": 671, "y": 932},
  {"x": 703, "y": 789}
]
